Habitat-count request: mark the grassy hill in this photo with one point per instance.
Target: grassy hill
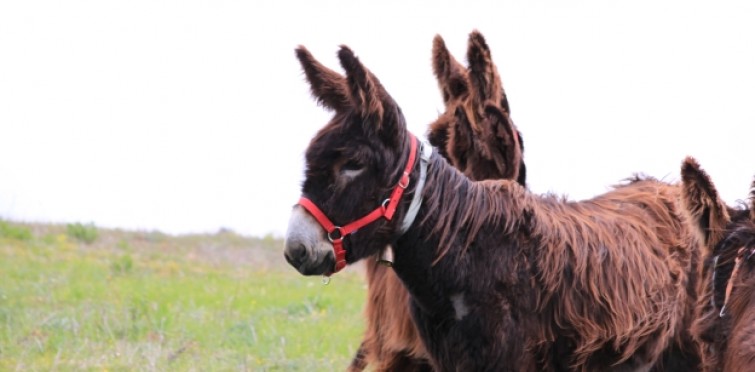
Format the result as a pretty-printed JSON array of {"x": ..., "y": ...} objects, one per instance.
[{"x": 76, "y": 297}]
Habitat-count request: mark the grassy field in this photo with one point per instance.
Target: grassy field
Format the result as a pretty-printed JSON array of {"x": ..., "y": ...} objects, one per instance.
[{"x": 80, "y": 298}]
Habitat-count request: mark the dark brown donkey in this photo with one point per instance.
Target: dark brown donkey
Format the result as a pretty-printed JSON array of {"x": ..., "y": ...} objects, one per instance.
[
  {"x": 500, "y": 279},
  {"x": 725, "y": 316},
  {"x": 481, "y": 147}
]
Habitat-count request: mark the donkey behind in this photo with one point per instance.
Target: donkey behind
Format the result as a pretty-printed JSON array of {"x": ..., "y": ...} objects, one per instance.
[
  {"x": 500, "y": 279},
  {"x": 482, "y": 147},
  {"x": 725, "y": 316}
]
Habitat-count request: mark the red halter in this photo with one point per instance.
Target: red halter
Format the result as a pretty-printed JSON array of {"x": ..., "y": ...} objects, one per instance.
[{"x": 386, "y": 209}]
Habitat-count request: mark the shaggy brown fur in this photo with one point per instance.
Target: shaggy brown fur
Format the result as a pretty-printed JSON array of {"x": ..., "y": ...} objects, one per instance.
[
  {"x": 501, "y": 279},
  {"x": 486, "y": 147},
  {"x": 725, "y": 325},
  {"x": 609, "y": 274}
]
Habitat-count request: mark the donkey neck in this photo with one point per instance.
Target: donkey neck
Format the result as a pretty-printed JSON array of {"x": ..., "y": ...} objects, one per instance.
[{"x": 455, "y": 210}]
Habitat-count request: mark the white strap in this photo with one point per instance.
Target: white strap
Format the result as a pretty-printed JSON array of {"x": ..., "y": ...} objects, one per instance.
[{"x": 411, "y": 214}]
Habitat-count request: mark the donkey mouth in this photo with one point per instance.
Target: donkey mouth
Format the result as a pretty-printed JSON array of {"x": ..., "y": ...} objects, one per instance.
[{"x": 323, "y": 265}]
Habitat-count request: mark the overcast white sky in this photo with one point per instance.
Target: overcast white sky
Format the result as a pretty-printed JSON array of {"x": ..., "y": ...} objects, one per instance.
[{"x": 189, "y": 116}]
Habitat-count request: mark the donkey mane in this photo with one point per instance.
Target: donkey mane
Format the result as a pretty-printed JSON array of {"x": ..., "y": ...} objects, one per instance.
[{"x": 475, "y": 206}]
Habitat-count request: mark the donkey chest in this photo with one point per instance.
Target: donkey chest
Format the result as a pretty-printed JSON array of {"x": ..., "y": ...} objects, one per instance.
[
  {"x": 478, "y": 335},
  {"x": 472, "y": 307}
]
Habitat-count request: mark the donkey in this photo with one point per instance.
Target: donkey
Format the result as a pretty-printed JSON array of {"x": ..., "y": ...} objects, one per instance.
[
  {"x": 482, "y": 148},
  {"x": 725, "y": 320},
  {"x": 500, "y": 279},
  {"x": 463, "y": 134}
]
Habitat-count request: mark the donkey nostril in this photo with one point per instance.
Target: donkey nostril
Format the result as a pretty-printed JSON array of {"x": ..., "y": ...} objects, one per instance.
[
  {"x": 296, "y": 255},
  {"x": 290, "y": 260},
  {"x": 301, "y": 251}
]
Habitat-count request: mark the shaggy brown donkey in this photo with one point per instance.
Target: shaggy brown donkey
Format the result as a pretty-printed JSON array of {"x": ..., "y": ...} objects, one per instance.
[
  {"x": 481, "y": 147},
  {"x": 500, "y": 279},
  {"x": 725, "y": 316}
]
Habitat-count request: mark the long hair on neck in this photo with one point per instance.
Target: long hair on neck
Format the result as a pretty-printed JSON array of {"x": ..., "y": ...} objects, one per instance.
[{"x": 463, "y": 206}]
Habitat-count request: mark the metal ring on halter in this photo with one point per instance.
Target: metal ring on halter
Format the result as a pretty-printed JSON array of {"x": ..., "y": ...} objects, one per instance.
[
  {"x": 385, "y": 203},
  {"x": 340, "y": 235},
  {"x": 405, "y": 180}
]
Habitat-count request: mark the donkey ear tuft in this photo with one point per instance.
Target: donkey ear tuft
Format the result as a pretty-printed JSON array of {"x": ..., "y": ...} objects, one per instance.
[
  {"x": 364, "y": 88},
  {"x": 752, "y": 201},
  {"x": 708, "y": 212},
  {"x": 347, "y": 57},
  {"x": 378, "y": 111},
  {"x": 450, "y": 74},
  {"x": 327, "y": 86}
]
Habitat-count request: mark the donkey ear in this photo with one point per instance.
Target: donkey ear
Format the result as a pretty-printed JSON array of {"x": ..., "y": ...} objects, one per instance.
[
  {"x": 437, "y": 135},
  {"x": 451, "y": 75},
  {"x": 752, "y": 201},
  {"x": 483, "y": 75},
  {"x": 709, "y": 213},
  {"x": 370, "y": 99},
  {"x": 328, "y": 86},
  {"x": 460, "y": 139},
  {"x": 505, "y": 148}
]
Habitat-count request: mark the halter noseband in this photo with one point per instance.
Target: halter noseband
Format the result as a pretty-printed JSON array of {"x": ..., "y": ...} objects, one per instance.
[{"x": 386, "y": 209}]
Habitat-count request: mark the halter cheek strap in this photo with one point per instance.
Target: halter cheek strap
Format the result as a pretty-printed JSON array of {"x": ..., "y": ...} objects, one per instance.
[
  {"x": 730, "y": 284},
  {"x": 425, "y": 152},
  {"x": 387, "y": 209}
]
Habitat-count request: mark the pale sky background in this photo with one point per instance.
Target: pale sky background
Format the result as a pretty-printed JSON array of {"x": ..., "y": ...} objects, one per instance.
[{"x": 189, "y": 116}]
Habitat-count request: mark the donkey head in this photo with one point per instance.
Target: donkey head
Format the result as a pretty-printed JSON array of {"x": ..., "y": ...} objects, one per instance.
[
  {"x": 481, "y": 143},
  {"x": 352, "y": 165},
  {"x": 728, "y": 258}
]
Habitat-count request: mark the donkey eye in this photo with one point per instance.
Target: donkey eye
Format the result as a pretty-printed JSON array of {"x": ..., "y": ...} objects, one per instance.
[
  {"x": 351, "y": 169},
  {"x": 351, "y": 165}
]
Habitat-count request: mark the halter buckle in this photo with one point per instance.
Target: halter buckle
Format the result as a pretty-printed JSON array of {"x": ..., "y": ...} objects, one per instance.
[{"x": 384, "y": 204}]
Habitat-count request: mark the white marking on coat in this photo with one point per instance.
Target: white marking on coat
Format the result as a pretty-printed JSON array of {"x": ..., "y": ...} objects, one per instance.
[{"x": 460, "y": 307}]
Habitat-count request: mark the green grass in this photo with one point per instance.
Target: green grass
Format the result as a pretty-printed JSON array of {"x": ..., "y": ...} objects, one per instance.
[
  {"x": 148, "y": 301},
  {"x": 84, "y": 233},
  {"x": 14, "y": 232}
]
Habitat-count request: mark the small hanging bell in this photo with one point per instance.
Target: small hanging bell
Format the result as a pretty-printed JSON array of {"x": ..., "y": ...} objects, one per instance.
[{"x": 386, "y": 256}]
